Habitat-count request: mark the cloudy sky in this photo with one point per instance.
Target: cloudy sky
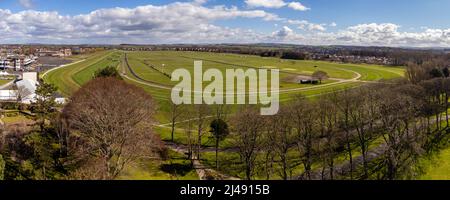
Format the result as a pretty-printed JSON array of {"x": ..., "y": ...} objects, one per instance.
[{"x": 414, "y": 23}]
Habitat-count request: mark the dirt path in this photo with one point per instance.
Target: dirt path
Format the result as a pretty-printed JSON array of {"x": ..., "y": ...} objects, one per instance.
[{"x": 203, "y": 172}]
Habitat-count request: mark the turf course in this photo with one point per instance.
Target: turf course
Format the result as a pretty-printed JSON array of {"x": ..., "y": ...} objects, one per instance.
[
  {"x": 149, "y": 70},
  {"x": 70, "y": 77}
]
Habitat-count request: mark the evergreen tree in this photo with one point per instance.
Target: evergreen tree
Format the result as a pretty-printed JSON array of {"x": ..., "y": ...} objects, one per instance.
[
  {"x": 108, "y": 72},
  {"x": 219, "y": 129}
]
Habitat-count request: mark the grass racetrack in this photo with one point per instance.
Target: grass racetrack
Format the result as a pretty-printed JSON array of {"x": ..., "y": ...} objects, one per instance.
[
  {"x": 70, "y": 77},
  {"x": 150, "y": 70}
]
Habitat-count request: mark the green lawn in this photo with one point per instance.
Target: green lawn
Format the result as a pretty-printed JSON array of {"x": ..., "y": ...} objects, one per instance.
[
  {"x": 148, "y": 66},
  {"x": 3, "y": 82},
  {"x": 438, "y": 168},
  {"x": 63, "y": 78},
  {"x": 335, "y": 70},
  {"x": 83, "y": 76},
  {"x": 176, "y": 168}
]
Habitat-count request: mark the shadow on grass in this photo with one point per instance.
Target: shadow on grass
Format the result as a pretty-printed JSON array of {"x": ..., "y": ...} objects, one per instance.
[{"x": 177, "y": 168}]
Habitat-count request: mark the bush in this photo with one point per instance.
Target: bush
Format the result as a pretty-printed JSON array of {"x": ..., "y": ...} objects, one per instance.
[
  {"x": 108, "y": 72},
  {"x": 10, "y": 106},
  {"x": 12, "y": 114}
]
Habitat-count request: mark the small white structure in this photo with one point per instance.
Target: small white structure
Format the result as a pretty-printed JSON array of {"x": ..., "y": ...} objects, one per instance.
[
  {"x": 8, "y": 95},
  {"x": 25, "y": 90},
  {"x": 3, "y": 73},
  {"x": 32, "y": 76}
]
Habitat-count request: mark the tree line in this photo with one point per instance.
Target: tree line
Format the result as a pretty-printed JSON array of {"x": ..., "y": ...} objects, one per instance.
[
  {"x": 409, "y": 116},
  {"x": 380, "y": 129}
]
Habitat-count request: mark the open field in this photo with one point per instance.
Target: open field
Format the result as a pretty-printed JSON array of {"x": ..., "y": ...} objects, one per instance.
[{"x": 149, "y": 70}]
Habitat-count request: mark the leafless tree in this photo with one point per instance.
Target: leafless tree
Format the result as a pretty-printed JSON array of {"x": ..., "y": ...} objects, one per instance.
[
  {"x": 327, "y": 116},
  {"x": 114, "y": 119},
  {"x": 304, "y": 119},
  {"x": 175, "y": 112},
  {"x": 398, "y": 116},
  {"x": 248, "y": 128},
  {"x": 344, "y": 103},
  {"x": 190, "y": 140},
  {"x": 281, "y": 137},
  {"x": 201, "y": 111},
  {"x": 446, "y": 89},
  {"x": 320, "y": 75}
]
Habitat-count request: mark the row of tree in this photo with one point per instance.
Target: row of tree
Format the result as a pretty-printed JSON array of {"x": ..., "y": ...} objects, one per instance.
[{"x": 346, "y": 123}]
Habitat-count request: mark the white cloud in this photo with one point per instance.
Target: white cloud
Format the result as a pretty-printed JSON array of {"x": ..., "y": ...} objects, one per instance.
[
  {"x": 176, "y": 22},
  {"x": 276, "y": 4},
  {"x": 298, "y": 6},
  {"x": 26, "y": 3},
  {"x": 386, "y": 34},
  {"x": 199, "y": 2},
  {"x": 333, "y": 24},
  {"x": 194, "y": 23},
  {"x": 266, "y": 3},
  {"x": 306, "y": 25},
  {"x": 285, "y": 32}
]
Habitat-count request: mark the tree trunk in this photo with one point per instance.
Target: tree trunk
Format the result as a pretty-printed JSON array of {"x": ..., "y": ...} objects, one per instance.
[
  {"x": 173, "y": 130},
  {"x": 217, "y": 149},
  {"x": 349, "y": 150},
  {"x": 248, "y": 172}
]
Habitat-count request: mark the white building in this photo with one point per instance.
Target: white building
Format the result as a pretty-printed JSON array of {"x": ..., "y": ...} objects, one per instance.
[{"x": 25, "y": 90}]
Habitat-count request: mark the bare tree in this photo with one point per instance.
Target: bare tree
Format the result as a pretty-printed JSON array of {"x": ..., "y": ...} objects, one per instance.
[
  {"x": 343, "y": 102},
  {"x": 114, "y": 119},
  {"x": 446, "y": 89},
  {"x": 327, "y": 116},
  {"x": 175, "y": 112},
  {"x": 320, "y": 75},
  {"x": 282, "y": 137},
  {"x": 190, "y": 141},
  {"x": 248, "y": 127},
  {"x": 201, "y": 111},
  {"x": 398, "y": 114},
  {"x": 304, "y": 120},
  {"x": 362, "y": 117}
]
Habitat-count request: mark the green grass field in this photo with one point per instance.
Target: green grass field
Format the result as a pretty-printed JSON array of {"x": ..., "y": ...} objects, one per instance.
[
  {"x": 68, "y": 79},
  {"x": 176, "y": 168},
  {"x": 147, "y": 71},
  {"x": 149, "y": 66},
  {"x": 438, "y": 168}
]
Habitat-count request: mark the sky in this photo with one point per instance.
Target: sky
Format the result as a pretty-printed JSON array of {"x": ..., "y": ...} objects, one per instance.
[{"x": 405, "y": 23}]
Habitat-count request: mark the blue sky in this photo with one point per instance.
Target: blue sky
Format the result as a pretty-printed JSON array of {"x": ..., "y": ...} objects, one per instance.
[{"x": 382, "y": 22}]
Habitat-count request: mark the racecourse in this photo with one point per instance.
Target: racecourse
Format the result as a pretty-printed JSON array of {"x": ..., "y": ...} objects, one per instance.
[{"x": 151, "y": 71}]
